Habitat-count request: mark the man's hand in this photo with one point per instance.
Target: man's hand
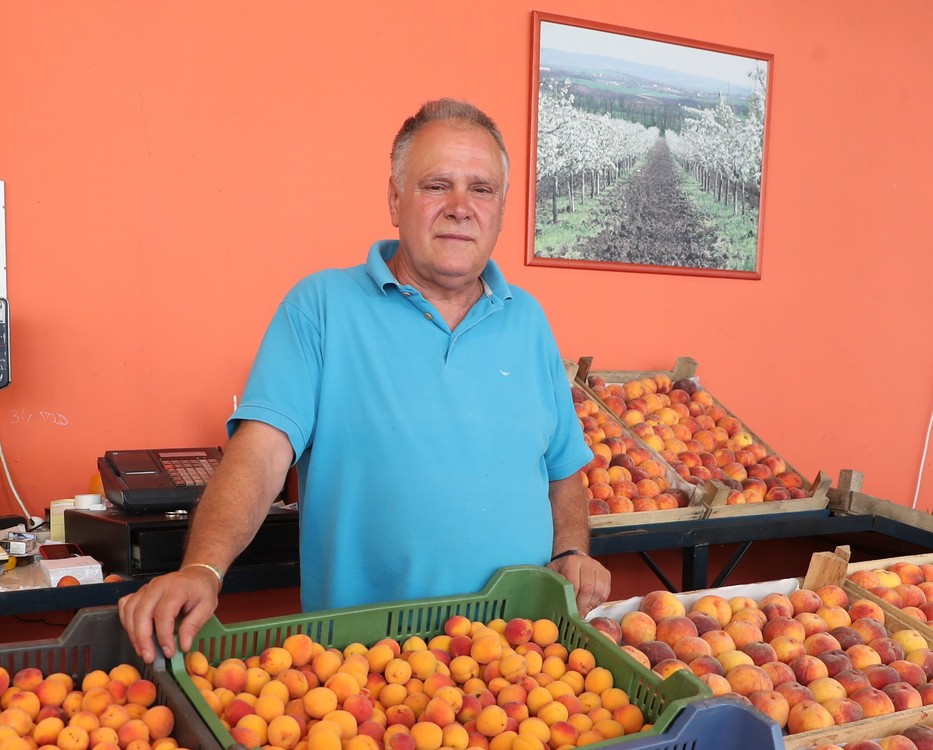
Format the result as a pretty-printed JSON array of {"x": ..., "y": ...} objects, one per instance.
[
  {"x": 590, "y": 580},
  {"x": 151, "y": 611}
]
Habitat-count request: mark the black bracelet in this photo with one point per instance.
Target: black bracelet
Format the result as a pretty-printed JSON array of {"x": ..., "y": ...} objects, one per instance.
[{"x": 567, "y": 553}]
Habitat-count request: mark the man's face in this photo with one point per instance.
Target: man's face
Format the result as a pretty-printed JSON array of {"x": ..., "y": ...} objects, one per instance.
[{"x": 449, "y": 208}]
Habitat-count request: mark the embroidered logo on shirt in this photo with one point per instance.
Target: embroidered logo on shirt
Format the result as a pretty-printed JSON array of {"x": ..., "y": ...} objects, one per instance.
[{"x": 506, "y": 374}]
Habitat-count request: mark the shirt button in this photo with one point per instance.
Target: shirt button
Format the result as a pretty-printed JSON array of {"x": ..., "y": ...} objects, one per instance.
[
  {"x": 429, "y": 316},
  {"x": 406, "y": 294}
]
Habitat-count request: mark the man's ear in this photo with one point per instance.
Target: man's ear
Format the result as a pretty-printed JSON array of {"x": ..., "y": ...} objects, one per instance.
[{"x": 393, "y": 197}]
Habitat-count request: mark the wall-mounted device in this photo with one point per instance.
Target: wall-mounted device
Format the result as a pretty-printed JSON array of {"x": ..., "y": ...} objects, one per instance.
[
  {"x": 157, "y": 480},
  {"x": 4, "y": 304},
  {"x": 4, "y": 343}
]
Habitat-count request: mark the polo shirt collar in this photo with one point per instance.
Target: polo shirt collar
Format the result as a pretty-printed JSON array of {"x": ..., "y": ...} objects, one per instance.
[{"x": 494, "y": 282}]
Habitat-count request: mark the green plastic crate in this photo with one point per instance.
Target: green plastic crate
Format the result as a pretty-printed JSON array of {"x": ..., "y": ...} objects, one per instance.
[
  {"x": 95, "y": 639},
  {"x": 521, "y": 591}
]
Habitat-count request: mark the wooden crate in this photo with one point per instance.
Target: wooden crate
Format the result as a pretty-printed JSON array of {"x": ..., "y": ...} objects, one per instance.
[
  {"x": 899, "y": 618},
  {"x": 715, "y": 501},
  {"x": 695, "y": 493},
  {"x": 847, "y": 498},
  {"x": 834, "y": 567},
  {"x": 714, "y": 493},
  {"x": 864, "y": 729}
]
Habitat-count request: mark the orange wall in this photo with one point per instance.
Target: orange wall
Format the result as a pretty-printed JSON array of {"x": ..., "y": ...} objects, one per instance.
[{"x": 172, "y": 167}]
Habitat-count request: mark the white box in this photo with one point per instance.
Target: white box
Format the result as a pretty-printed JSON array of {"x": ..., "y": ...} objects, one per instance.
[{"x": 85, "y": 568}]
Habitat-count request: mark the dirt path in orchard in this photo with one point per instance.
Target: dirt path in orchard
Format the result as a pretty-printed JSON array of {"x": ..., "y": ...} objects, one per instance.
[{"x": 652, "y": 222}]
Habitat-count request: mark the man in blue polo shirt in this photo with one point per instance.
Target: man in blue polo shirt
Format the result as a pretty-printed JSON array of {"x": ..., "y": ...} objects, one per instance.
[{"x": 424, "y": 401}]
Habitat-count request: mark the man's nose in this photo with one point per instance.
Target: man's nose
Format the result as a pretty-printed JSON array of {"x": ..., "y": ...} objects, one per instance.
[{"x": 458, "y": 204}]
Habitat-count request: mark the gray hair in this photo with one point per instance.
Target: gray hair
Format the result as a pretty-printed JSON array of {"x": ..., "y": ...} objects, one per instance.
[{"x": 443, "y": 110}]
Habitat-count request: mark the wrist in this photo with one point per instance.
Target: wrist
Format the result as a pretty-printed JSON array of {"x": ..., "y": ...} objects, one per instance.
[
  {"x": 206, "y": 566},
  {"x": 568, "y": 553}
]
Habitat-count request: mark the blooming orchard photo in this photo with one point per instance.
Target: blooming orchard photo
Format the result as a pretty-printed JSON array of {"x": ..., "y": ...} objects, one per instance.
[{"x": 647, "y": 151}]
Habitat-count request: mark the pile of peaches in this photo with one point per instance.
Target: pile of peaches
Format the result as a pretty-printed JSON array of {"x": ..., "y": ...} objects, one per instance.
[
  {"x": 809, "y": 659},
  {"x": 501, "y": 685},
  {"x": 697, "y": 437},
  {"x": 906, "y": 585},
  {"x": 623, "y": 476},
  {"x": 115, "y": 710}
]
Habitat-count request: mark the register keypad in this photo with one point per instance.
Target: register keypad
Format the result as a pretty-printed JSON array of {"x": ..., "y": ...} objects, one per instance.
[{"x": 190, "y": 472}]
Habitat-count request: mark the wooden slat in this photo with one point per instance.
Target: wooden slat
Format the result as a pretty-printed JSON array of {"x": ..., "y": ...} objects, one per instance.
[{"x": 865, "y": 729}]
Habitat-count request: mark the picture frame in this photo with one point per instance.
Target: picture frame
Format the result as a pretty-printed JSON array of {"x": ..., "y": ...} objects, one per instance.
[{"x": 647, "y": 151}]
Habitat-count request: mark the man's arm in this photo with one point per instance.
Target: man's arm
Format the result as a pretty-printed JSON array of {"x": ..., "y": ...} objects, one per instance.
[
  {"x": 227, "y": 517},
  {"x": 590, "y": 580}
]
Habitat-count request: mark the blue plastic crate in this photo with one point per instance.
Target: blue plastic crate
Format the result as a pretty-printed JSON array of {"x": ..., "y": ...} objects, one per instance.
[{"x": 715, "y": 724}]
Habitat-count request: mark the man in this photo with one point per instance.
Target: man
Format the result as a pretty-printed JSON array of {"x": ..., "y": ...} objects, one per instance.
[{"x": 424, "y": 402}]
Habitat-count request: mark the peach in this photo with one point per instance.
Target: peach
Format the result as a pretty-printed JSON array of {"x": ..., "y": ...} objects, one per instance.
[
  {"x": 761, "y": 653},
  {"x": 808, "y": 715},
  {"x": 704, "y": 622},
  {"x": 921, "y": 735},
  {"x": 787, "y": 648},
  {"x": 609, "y": 627},
  {"x": 869, "y": 628},
  {"x": 743, "y": 632},
  {"x": 867, "y": 579},
  {"x": 717, "y": 684},
  {"x": 779, "y": 672},
  {"x": 860, "y": 608},
  {"x": 852, "y": 680},
  {"x": 46, "y": 731},
  {"x": 824, "y": 688},
  {"x": 888, "y": 649},
  {"x": 746, "y": 679},
  {"x": 160, "y": 722},
  {"x": 142, "y": 692},
  {"x": 805, "y": 600},
  {"x": 808, "y": 668},
  {"x": 715, "y": 606},
  {"x": 637, "y": 627},
  {"x": 719, "y": 641},
  {"x": 230, "y": 674},
  {"x": 835, "y": 616},
  {"x": 659, "y": 604},
  {"x": 666, "y": 667},
  {"x": 833, "y": 595},
  {"x": 817, "y": 643},
  {"x": 637, "y": 655},
  {"x": 27, "y": 678},
  {"x": 812, "y": 623},
  {"x": 702, "y": 665},
  {"x": 909, "y": 640},
  {"x": 908, "y": 572},
  {"x": 782, "y": 600},
  {"x": 732, "y": 659},
  {"x": 691, "y": 647},
  {"x": 862, "y": 655},
  {"x": 909, "y": 672},
  {"x": 889, "y": 595},
  {"x": 844, "y": 710},
  {"x": 750, "y": 614},
  {"x": 772, "y": 704},
  {"x": 674, "y": 628},
  {"x": 923, "y": 657},
  {"x": 785, "y": 626},
  {"x": 836, "y": 660},
  {"x": 874, "y": 702},
  {"x": 134, "y": 729},
  {"x": 903, "y": 696}
]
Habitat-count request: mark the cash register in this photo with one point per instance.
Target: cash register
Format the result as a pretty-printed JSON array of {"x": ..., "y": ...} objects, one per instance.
[{"x": 151, "y": 493}]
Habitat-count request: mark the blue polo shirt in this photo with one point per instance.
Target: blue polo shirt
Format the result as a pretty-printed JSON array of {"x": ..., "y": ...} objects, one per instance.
[{"x": 423, "y": 454}]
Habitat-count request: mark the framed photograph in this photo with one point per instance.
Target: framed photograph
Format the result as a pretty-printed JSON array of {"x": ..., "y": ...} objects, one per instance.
[{"x": 647, "y": 151}]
